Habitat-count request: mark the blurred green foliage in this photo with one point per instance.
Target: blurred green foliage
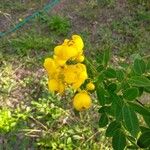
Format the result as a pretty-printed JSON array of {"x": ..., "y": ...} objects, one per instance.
[
  {"x": 60, "y": 25},
  {"x": 32, "y": 118}
]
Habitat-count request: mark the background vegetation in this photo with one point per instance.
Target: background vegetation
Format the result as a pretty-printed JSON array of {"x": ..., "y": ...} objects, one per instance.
[{"x": 30, "y": 116}]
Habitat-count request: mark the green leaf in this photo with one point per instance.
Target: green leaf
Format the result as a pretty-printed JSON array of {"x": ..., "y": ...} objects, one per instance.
[
  {"x": 105, "y": 109},
  {"x": 135, "y": 56},
  {"x": 147, "y": 89},
  {"x": 147, "y": 120},
  {"x": 141, "y": 90},
  {"x": 106, "y": 57},
  {"x": 144, "y": 140},
  {"x": 77, "y": 137},
  {"x": 131, "y": 120},
  {"x": 100, "y": 68},
  {"x": 117, "y": 104},
  {"x": 119, "y": 141},
  {"x": 110, "y": 73},
  {"x": 103, "y": 121},
  {"x": 139, "y": 66},
  {"x": 124, "y": 65},
  {"x": 98, "y": 57},
  {"x": 113, "y": 126},
  {"x": 131, "y": 93},
  {"x": 112, "y": 87},
  {"x": 148, "y": 65},
  {"x": 108, "y": 100},
  {"x": 125, "y": 85},
  {"x": 144, "y": 129},
  {"x": 132, "y": 147},
  {"x": 90, "y": 69},
  {"x": 140, "y": 109},
  {"x": 139, "y": 81},
  {"x": 120, "y": 75},
  {"x": 131, "y": 139},
  {"x": 100, "y": 95},
  {"x": 100, "y": 78}
]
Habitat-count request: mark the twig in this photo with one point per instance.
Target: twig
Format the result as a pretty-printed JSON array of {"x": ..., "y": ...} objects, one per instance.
[
  {"x": 90, "y": 137},
  {"x": 140, "y": 102},
  {"x": 147, "y": 56},
  {"x": 30, "y": 130},
  {"x": 42, "y": 125},
  {"x": 32, "y": 135}
]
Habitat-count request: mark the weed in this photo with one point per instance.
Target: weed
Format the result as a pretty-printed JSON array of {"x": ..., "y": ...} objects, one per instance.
[
  {"x": 17, "y": 6},
  {"x": 108, "y": 3},
  {"x": 22, "y": 79},
  {"x": 7, "y": 122},
  {"x": 60, "y": 25},
  {"x": 31, "y": 42},
  {"x": 144, "y": 3}
]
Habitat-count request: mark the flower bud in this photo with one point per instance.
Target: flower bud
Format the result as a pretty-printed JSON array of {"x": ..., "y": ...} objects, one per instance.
[
  {"x": 90, "y": 86},
  {"x": 82, "y": 101}
]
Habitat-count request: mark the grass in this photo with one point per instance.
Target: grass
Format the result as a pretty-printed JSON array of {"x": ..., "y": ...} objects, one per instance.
[{"x": 31, "y": 116}]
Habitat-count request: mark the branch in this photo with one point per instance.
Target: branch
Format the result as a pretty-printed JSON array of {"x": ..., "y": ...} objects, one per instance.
[{"x": 140, "y": 102}]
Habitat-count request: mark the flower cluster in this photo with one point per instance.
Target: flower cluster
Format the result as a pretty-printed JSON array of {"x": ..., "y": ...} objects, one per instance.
[{"x": 66, "y": 69}]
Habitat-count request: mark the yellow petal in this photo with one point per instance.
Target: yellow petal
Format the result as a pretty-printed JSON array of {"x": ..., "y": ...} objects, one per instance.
[
  {"x": 78, "y": 42},
  {"x": 70, "y": 77},
  {"x": 50, "y": 65},
  {"x": 65, "y": 52},
  {"x": 66, "y": 42},
  {"x": 59, "y": 61},
  {"x": 83, "y": 75},
  {"x": 61, "y": 87},
  {"x": 53, "y": 85},
  {"x": 58, "y": 50},
  {"x": 69, "y": 52},
  {"x": 77, "y": 84},
  {"x": 80, "y": 58}
]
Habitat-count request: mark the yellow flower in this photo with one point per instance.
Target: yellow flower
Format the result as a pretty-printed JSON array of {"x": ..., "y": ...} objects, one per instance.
[
  {"x": 50, "y": 66},
  {"x": 90, "y": 86},
  {"x": 80, "y": 58},
  {"x": 58, "y": 50},
  {"x": 59, "y": 62},
  {"x": 61, "y": 87},
  {"x": 82, "y": 101},
  {"x": 70, "y": 49},
  {"x": 65, "y": 52},
  {"x": 62, "y": 75},
  {"x": 77, "y": 84},
  {"x": 75, "y": 75},
  {"x": 81, "y": 78},
  {"x": 56, "y": 86},
  {"x": 66, "y": 42},
  {"x": 70, "y": 77},
  {"x": 70, "y": 74},
  {"x": 53, "y": 85},
  {"x": 78, "y": 42}
]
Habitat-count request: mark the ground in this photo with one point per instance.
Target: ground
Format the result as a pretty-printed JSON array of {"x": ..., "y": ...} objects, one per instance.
[{"x": 120, "y": 25}]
